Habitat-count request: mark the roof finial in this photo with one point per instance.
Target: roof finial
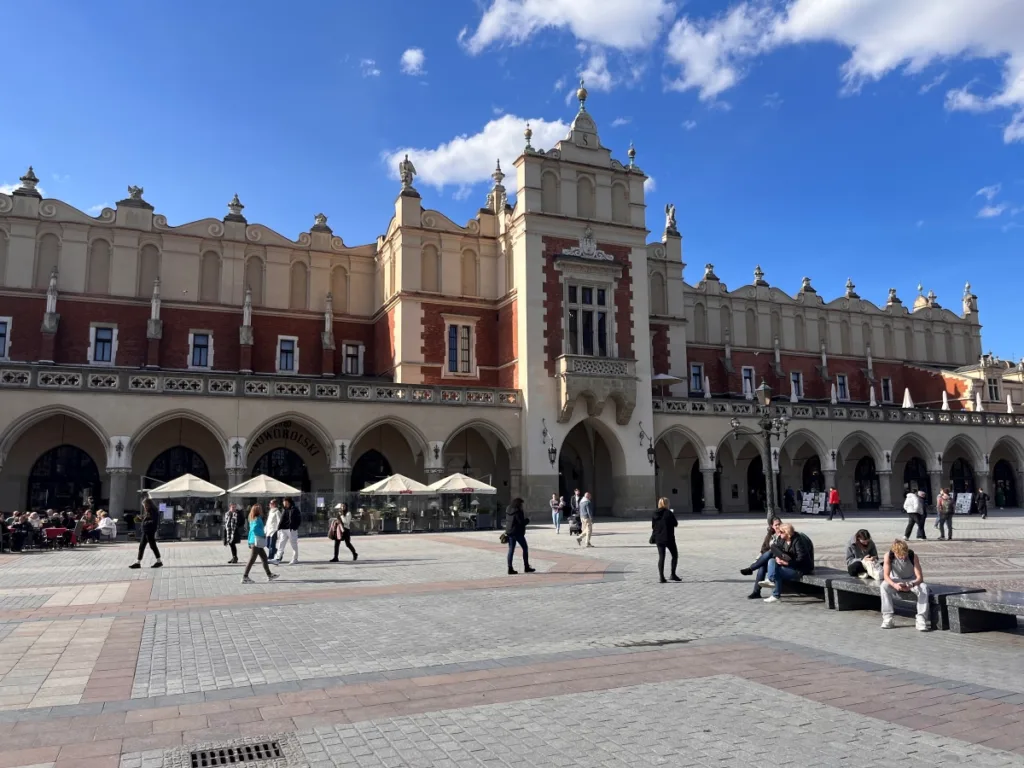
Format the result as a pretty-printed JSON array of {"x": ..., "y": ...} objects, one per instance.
[
  {"x": 498, "y": 176},
  {"x": 920, "y": 289},
  {"x": 528, "y": 134},
  {"x": 850, "y": 292},
  {"x": 28, "y": 184},
  {"x": 632, "y": 155},
  {"x": 235, "y": 210},
  {"x": 581, "y": 94}
]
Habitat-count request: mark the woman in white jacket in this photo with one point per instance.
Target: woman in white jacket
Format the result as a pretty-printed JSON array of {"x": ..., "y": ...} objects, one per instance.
[{"x": 272, "y": 524}]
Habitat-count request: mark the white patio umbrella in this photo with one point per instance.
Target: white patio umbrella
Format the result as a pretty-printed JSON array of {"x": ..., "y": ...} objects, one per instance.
[
  {"x": 872, "y": 402},
  {"x": 1009, "y": 403},
  {"x": 396, "y": 485},
  {"x": 907, "y": 401},
  {"x": 793, "y": 398},
  {"x": 186, "y": 486},
  {"x": 262, "y": 487},
  {"x": 707, "y": 387},
  {"x": 978, "y": 405},
  {"x": 460, "y": 483},
  {"x": 835, "y": 395},
  {"x": 945, "y": 400},
  {"x": 748, "y": 391},
  {"x": 664, "y": 380}
]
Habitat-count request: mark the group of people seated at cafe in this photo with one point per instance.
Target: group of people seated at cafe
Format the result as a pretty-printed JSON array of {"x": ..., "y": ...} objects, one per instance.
[
  {"x": 787, "y": 555},
  {"x": 23, "y": 529}
]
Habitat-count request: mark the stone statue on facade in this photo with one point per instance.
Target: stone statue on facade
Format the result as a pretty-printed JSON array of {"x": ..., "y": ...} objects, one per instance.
[
  {"x": 135, "y": 193},
  {"x": 970, "y": 300},
  {"x": 329, "y": 313},
  {"x": 51, "y": 293},
  {"x": 670, "y": 219},
  {"x": 247, "y": 308},
  {"x": 709, "y": 272},
  {"x": 407, "y": 172},
  {"x": 154, "y": 302},
  {"x": 893, "y": 299},
  {"x": 320, "y": 220}
]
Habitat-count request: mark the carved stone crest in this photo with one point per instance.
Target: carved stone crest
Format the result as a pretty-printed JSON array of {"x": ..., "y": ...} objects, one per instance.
[{"x": 588, "y": 248}]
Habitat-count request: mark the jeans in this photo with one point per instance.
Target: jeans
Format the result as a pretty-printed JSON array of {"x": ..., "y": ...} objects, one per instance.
[
  {"x": 285, "y": 538},
  {"x": 234, "y": 550},
  {"x": 347, "y": 538},
  {"x": 262, "y": 555},
  {"x": 520, "y": 539},
  {"x": 833, "y": 509},
  {"x": 945, "y": 525},
  {"x": 588, "y": 528},
  {"x": 556, "y": 520},
  {"x": 670, "y": 547},
  {"x": 780, "y": 573},
  {"x": 888, "y": 591},
  {"x": 912, "y": 520},
  {"x": 760, "y": 569},
  {"x": 148, "y": 538},
  {"x": 271, "y": 545}
]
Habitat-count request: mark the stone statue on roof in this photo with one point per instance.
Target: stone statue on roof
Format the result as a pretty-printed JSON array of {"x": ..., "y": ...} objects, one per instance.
[{"x": 407, "y": 172}]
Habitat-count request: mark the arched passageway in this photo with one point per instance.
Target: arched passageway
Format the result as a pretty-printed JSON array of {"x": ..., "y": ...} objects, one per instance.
[
  {"x": 591, "y": 459},
  {"x": 63, "y": 477},
  {"x": 1004, "y": 482}
]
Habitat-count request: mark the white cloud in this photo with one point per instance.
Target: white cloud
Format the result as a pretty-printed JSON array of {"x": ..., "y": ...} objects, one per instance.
[
  {"x": 989, "y": 192},
  {"x": 993, "y": 211},
  {"x": 469, "y": 159},
  {"x": 689, "y": 124},
  {"x": 772, "y": 100},
  {"x": 620, "y": 121},
  {"x": 595, "y": 74},
  {"x": 413, "y": 60},
  {"x": 649, "y": 185},
  {"x": 934, "y": 82},
  {"x": 368, "y": 68},
  {"x": 619, "y": 24},
  {"x": 560, "y": 84},
  {"x": 61, "y": 179},
  {"x": 97, "y": 209},
  {"x": 7, "y": 189},
  {"x": 882, "y": 36}
]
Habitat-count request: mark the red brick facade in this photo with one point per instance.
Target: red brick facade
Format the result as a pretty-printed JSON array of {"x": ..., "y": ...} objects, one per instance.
[
  {"x": 435, "y": 341},
  {"x": 383, "y": 354},
  {"x": 659, "y": 348},
  {"x": 508, "y": 345}
]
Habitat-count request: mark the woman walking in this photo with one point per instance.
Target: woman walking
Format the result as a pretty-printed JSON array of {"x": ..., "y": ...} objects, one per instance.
[
  {"x": 515, "y": 533},
  {"x": 663, "y": 527},
  {"x": 556, "y": 512},
  {"x": 257, "y": 542},
  {"x": 340, "y": 530},
  {"x": 944, "y": 515},
  {"x": 149, "y": 523},
  {"x": 233, "y": 530}
]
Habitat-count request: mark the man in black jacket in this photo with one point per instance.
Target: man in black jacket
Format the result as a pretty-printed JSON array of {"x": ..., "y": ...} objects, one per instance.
[
  {"x": 288, "y": 533},
  {"x": 794, "y": 557},
  {"x": 515, "y": 530}
]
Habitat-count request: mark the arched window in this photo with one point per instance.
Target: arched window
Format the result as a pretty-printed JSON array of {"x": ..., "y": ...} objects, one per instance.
[
  {"x": 430, "y": 269},
  {"x": 209, "y": 278},
  {"x": 47, "y": 259},
  {"x": 620, "y": 203},
  {"x": 866, "y": 486},
  {"x": 908, "y": 343},
  {"x": 65, "y": 476},
  {"x": 725, "y": 317},
  {"x": 149, "y": 270},
  {"x": 470, "y": 277},
  {"x": 254, "y": 279},
  {"x": 549, "y": 187},
  {"x": 658, "y": 298},
  {"x": 845, "y": 345},
  {"x": 3, "y": 257},
  {"x": 800, "y": 333},
  {"x": 777, "y": 329},
  {"x": 339, "y": 290},
  {"x": 890, "y": 342},
  {"x": 822, "y": 334},
  {"x": 812, "y": 479},
  {"x": 392, "y": 280},
  {"x": 751, "y": 317},
  {"x": 950, "y": 353},
  {"x": 299, "y": 286},
  {"x": 97, "y": 278},
  {"x": 700, "y": 324},
  {"x": 175, "y": 462},
  {"x": 286, "y": 466},
  {"x": 585, "y": 203}
]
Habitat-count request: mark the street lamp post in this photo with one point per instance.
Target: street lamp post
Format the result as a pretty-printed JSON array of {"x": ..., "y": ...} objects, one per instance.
[{"x": 769, "y": 426}]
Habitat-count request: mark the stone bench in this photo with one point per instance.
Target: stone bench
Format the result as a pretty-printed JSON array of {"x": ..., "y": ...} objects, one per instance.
[
  {"x": 853, "y": 594},
  {"x": 817, "y": 584},
  {"x": 984, "y": 612}
]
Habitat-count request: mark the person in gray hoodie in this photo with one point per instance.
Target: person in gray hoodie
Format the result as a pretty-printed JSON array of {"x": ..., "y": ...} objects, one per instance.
[{"x": 862, "y": 557}]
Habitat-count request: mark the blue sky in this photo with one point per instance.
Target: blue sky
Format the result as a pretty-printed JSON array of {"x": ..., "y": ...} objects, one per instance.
[{"x": 879, "y": 140}]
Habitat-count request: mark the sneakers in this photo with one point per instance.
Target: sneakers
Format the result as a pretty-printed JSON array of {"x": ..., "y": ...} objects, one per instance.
[
  {"x": 663, "y": 580},
  {"x": 767, "y": 584},
  {"x": 921, "y": 624},
  {"x": 355, "y": 556},
  {"x": 231, "y": 562},
  {"x": 333, "y": 560},
  {"x": 887, "y": 621},
  {"x": 771, "y": 599},
  {"x": 135, "y": 565},
  {"x": 746, "y": 571},
  {"x": 673, "y": 577},
  {"x": 157, "y": 564},
  {"x": 755, "y": 595},
  {"x": 275, "y": 562},
  {"x": 246, "y": 580},
  {"x": 294, "y": 562},
  {"x": 273, "y": 576}
]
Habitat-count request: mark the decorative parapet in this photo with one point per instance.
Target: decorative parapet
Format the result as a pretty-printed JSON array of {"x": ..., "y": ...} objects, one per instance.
[
  {"x": 598, "y": 380},
  {"x": 238, "y": 385}
]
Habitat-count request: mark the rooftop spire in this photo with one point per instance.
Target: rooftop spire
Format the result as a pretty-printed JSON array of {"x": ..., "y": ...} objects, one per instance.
[{"x": 581, "y": 94}]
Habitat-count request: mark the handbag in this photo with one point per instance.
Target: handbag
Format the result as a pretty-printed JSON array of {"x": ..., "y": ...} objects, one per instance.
[
  {"x": 503, "y": 538},
  {"x": 651, "y": 540},
  {"x": 259, "y": 541}
]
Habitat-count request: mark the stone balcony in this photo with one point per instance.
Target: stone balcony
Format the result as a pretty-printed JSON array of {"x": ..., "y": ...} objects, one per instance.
[
  {"x": 227, "y": 385},
  {"x": 598, "y": 380}
]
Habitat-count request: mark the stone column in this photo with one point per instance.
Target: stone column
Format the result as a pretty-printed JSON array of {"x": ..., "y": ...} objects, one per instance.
[
  {"x": 709, "y": 490},
  {"x": 118, "y": 491},
  {"x": 983, "y": 481},
  {"x": 885, "y": 487},
  {"x": 154, "y": 332},
  {"x": 342, "y": 481},
  {"x": 935, "y": 478},
  {"x": 830, "y": 478},
  {"x": 245, "y": 340}
]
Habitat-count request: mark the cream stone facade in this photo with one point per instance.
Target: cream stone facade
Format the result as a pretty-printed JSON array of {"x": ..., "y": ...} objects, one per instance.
[{"x": 545, "y": 344}]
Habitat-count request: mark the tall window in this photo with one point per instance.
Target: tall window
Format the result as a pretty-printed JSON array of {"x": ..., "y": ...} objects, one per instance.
[
  {"x": 287, "y": 354},
  {"x": 587, "y": 320},
  {"x": 748, "y": 380},
  {"x": 460, "y": 349},
  {"x": 697, "y": 378},
  {"x": 842, "y": 387},
  {"x": 352, "y": 362},
  {"x": 993, "y": 389},
  {"x": 103, "y": 345},
  {"x": 796, "y": 383},
  {"x": 254, "y": 279},
  {"x": 5, "y": 336},
  {"x": 886, "y": 389},
  {"x": 470, "y": 267},
  {"x": 200, "y": 350}
]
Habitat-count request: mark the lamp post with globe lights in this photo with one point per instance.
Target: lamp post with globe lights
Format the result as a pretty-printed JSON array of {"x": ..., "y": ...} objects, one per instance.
[{"x": 769, "y": 426}]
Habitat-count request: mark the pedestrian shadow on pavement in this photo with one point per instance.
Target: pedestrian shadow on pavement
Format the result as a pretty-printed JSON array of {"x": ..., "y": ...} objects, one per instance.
[{"x": 322, "y": 581}]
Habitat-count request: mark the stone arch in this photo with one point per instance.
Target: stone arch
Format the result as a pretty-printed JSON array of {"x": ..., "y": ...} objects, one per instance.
[
  {"x": 680, "y": 455},
  {"x": 254, "y": 270},
  {"x": 479, "y": 424},
  {"x": 750, "y": 320},
  {"x": 725, "y": 317},
  {"x": 482, "y": 447},
  {"x": 845, "y": 342},
  {"x": 23, "y": 423},
  {"x": 470, "y": 273},
  {"x": 700, "y": 323},
  {"x": 149, "y": 269},
  {"x": 47, "y": 259},
  {"x": 916, "y": 441},
  {"x": 315, "y": 429},
  {"x": 799, "y": 333},
  {"x": 400, "y": 445},
  {"x": 1012, "y": 446},
  {"x": 870, "y": 445},
  {"x": 591, "y": 456},
  {"x": 97, "y": 269},
  {"x": 168, "y": 416},
  {"x": 412, "y": 434},
  {"x": 805, "y": 436},
  {"x": 888, "y": 341},
  {"x": 209, "y": 278},
  {"x": 339, "y": 290},
  {"x": 298, "y": 285},
  {"x": 550, "y": 186},
  {"x": 620, "y": 203},
  {"x": 968, "y": 446}
]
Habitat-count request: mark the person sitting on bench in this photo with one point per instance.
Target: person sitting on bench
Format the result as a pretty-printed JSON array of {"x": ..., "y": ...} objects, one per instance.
[
  {"x": 759, "y": 568},
  {"x": 862, "y": 557},
  {"x": 903, "y": 574},
  {"x": 792, "y": 557}
]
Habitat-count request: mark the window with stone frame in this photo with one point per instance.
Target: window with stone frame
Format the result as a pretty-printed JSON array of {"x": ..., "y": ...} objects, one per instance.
[
  {"x": 993, "y": 389},
  {"x": 697, "y": 378},
  {"x": 588, "y": 319},
  {"x": 842, "y": 387},
  {"x": 796, "y": 383},
  {"x": 886, "y": 389},
  {"x": 102, "y": 344},
  {"x": 5, "y": 338},
  {"x": 200, "y": 350},
  {"x": 287, "y": 354},
  {"x": 748, "y": 379},
  {"x": 352, "y": 359}
]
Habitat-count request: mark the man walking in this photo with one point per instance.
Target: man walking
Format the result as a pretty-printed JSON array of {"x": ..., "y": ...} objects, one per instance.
[
  {"x": 574, "y": 502},
  {"x": 833, "y": 504},
  {"x": 983, "y": 504},
  {"x": 914, "y": 506},
  {"x": 515, "y": 532},
  {"x": 586, "y": 513},
  {"x": 288, "y": 533}
]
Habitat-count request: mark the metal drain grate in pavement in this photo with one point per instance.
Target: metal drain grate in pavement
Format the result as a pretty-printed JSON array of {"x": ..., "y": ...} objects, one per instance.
[{"x": 245, "y": 753}]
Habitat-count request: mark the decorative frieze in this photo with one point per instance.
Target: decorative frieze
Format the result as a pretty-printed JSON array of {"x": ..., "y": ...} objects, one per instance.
[
  {"x": 9, "y": 378},
  {"x": 221, "y": 386},
  {"x": 59, "y": 380},
  {"x": 186, "y": 384},
  {"x": 103, "y": 381},
  {"x": 291, "y": 389}
]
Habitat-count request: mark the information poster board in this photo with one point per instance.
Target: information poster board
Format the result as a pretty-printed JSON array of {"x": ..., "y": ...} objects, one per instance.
[
  {"x": 813, "y": 503},
  {"x": 963, "y": 504}
]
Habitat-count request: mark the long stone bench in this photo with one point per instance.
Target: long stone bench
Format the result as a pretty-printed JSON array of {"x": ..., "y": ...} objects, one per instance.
[
  {"x": 984, "y": 612},
  {"x": 817, "y": 584},
  {"x": 852, "y": 594}
]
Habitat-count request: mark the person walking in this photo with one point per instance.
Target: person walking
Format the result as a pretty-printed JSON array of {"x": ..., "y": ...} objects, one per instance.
[
  {"x": 257, "y": 542},
  {"x": 515, "y": 531},
  {"x": 586, "y": 513},
  {"x": 340, "y": 530},
  {"x": 556, "y": 512},
  {"x": 834, "y": 507},
  {"x": 914, "y": 506},
  {"x": 903, "y": 574},
  {"x": 233, "y": 530},
  {"x": 983, "y": 504},
  {"x": 663, "y": 533},
  {"x": 944, "y": 515},
  {"x": 149, "y": 524},
  {"x": 288, "y": 533},
  {"x": 273, "y": 524},
  {"x": 574, "y": 502}
]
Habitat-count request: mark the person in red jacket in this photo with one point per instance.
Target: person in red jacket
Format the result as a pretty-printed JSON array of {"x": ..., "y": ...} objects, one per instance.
[{"x": 833, "y": 504}]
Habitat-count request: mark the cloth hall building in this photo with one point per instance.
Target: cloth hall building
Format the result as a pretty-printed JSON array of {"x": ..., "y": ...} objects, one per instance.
[{"x": 545, "y": 344}]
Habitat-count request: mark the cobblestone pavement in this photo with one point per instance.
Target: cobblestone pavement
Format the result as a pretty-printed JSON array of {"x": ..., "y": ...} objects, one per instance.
[{"x": 424, "y": 653}]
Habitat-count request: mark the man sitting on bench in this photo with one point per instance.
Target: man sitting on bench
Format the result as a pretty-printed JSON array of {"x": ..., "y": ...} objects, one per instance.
[
  {"x": 792, "y": 558},
  {"x": 862, "y": 557},
  {"x": 903, "y": 574}
]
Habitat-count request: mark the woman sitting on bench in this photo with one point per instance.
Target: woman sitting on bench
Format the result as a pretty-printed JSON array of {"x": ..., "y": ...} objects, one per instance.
[{"x": 759, "y": 568}]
